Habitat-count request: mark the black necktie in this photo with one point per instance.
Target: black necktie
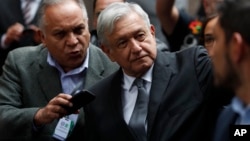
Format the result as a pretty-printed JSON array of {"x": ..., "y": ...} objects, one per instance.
[{"x": 138, "y": 119}]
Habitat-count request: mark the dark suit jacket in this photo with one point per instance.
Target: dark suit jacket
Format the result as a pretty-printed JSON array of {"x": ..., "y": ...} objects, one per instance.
[
  {"x": 11, "y": 13},
  {"x": 29, "y": 83},
  {"x": 225, "y": 120},
  {"x": 178, "y": 98}
]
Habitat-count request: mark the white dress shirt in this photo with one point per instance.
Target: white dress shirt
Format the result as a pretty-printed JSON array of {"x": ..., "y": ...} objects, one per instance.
[{"x": 130, "y": 92}]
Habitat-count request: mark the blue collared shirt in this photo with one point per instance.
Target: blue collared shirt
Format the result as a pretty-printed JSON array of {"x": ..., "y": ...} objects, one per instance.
[
  {"x": 73, "y": 78},
  {"x": 243, "y": 110}
]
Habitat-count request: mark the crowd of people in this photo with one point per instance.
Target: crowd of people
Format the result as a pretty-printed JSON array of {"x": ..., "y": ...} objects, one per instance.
[{"x": 157, "y": 73}]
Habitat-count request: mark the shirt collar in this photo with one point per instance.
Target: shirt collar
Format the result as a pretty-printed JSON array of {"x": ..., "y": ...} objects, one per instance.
[
  {"x": 129, "y": 80},
  {"x": 52, "y": 62},
  {"x": 239, "y": 107}
]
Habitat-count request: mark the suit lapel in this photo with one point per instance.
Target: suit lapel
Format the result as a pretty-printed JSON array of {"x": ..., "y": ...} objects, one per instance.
[
  {"x": 115, "y": 102},
  {"x": 115, "y": 97},
  {"x": 51, "y": 86},
  {"x": 226, "y": 119},
  {"x": 95, "y": 69},
  {"x": 161, "y": 78}
]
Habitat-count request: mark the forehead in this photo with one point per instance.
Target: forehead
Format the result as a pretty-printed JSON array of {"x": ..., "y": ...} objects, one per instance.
[
  {"x": 128, "y": 23},
  {"x": 218, "y": 30},
  {"x": 211, "y": 23},
  {"x": 64, "y": 11}
]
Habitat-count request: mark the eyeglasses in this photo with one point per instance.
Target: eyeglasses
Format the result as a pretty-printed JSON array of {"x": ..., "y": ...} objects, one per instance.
[{"x": 209, "y": 41}]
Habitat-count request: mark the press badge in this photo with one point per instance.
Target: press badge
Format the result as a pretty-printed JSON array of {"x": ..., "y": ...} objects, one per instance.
[{"x": 63, "y": 128}]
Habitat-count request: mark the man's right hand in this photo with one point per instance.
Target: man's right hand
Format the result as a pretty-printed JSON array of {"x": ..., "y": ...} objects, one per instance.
[{"x": 55, "y": 109}]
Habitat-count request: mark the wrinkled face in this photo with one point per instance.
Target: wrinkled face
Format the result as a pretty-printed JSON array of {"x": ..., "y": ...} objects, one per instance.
[
  {"x": 209, "y": 40},
  {"x": 132, "y": 45},
  {"x": 66, "y": 34},
  {"x": 224, "y": 71},
  {"x": 99, "y": 6}
]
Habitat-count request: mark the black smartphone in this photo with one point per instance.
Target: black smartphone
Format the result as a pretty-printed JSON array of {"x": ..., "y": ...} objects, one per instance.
[
  {"x": 80, "y": 98},
  {"x": 28, "y": 31}
]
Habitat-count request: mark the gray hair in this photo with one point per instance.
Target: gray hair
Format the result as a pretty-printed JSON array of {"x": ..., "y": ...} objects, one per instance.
[
  {"x": 46, "y": 3},
  {"x": 115, "y": 11}
]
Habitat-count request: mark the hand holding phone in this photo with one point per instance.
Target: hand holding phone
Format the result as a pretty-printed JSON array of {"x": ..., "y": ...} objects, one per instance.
[{"x": 80, "y": 98}]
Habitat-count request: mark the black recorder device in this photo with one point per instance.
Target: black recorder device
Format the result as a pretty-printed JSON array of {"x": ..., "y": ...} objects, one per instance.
[{"x": 80, "y": 98}]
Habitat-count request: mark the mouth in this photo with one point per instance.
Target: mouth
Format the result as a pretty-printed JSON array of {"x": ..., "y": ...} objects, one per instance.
[
  {"x": 138, "y": 58},
  {"x": 74, "y": 54}
]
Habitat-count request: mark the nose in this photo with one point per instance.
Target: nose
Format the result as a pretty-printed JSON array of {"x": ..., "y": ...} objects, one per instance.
[
  {"x": 135, "y": 46},
  {"x": 72, "y": 39}
]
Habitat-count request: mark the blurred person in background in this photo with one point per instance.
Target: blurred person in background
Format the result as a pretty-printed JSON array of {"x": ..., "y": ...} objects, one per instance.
[
  {"x": 231, "y": 62},
  {"x": 207, "y": 34},
  {"x": 181, "y": 29},
  {"x": 18, "y": 25}
]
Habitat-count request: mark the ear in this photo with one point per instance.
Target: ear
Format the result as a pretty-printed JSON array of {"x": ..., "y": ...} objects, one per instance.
[
  {"x": 237, "y": 47},
  {"x": 107, "y": 51},
  {"x": 42, "y": 36},
  {"x": 152, "y": 30}
]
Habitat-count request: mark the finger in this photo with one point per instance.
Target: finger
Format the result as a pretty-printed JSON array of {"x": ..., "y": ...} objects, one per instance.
[
  {"x": 77, "y": 112},
  {"x": 18, "y": 28},
  {"x": 60, "y": 103},
  {"x": 33, "y": 27},
  {"x": 55, "y": 111}
]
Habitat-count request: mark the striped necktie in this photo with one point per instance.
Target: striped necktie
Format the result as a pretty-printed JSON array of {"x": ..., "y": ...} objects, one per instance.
[{"x": 26, "y": 12}]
